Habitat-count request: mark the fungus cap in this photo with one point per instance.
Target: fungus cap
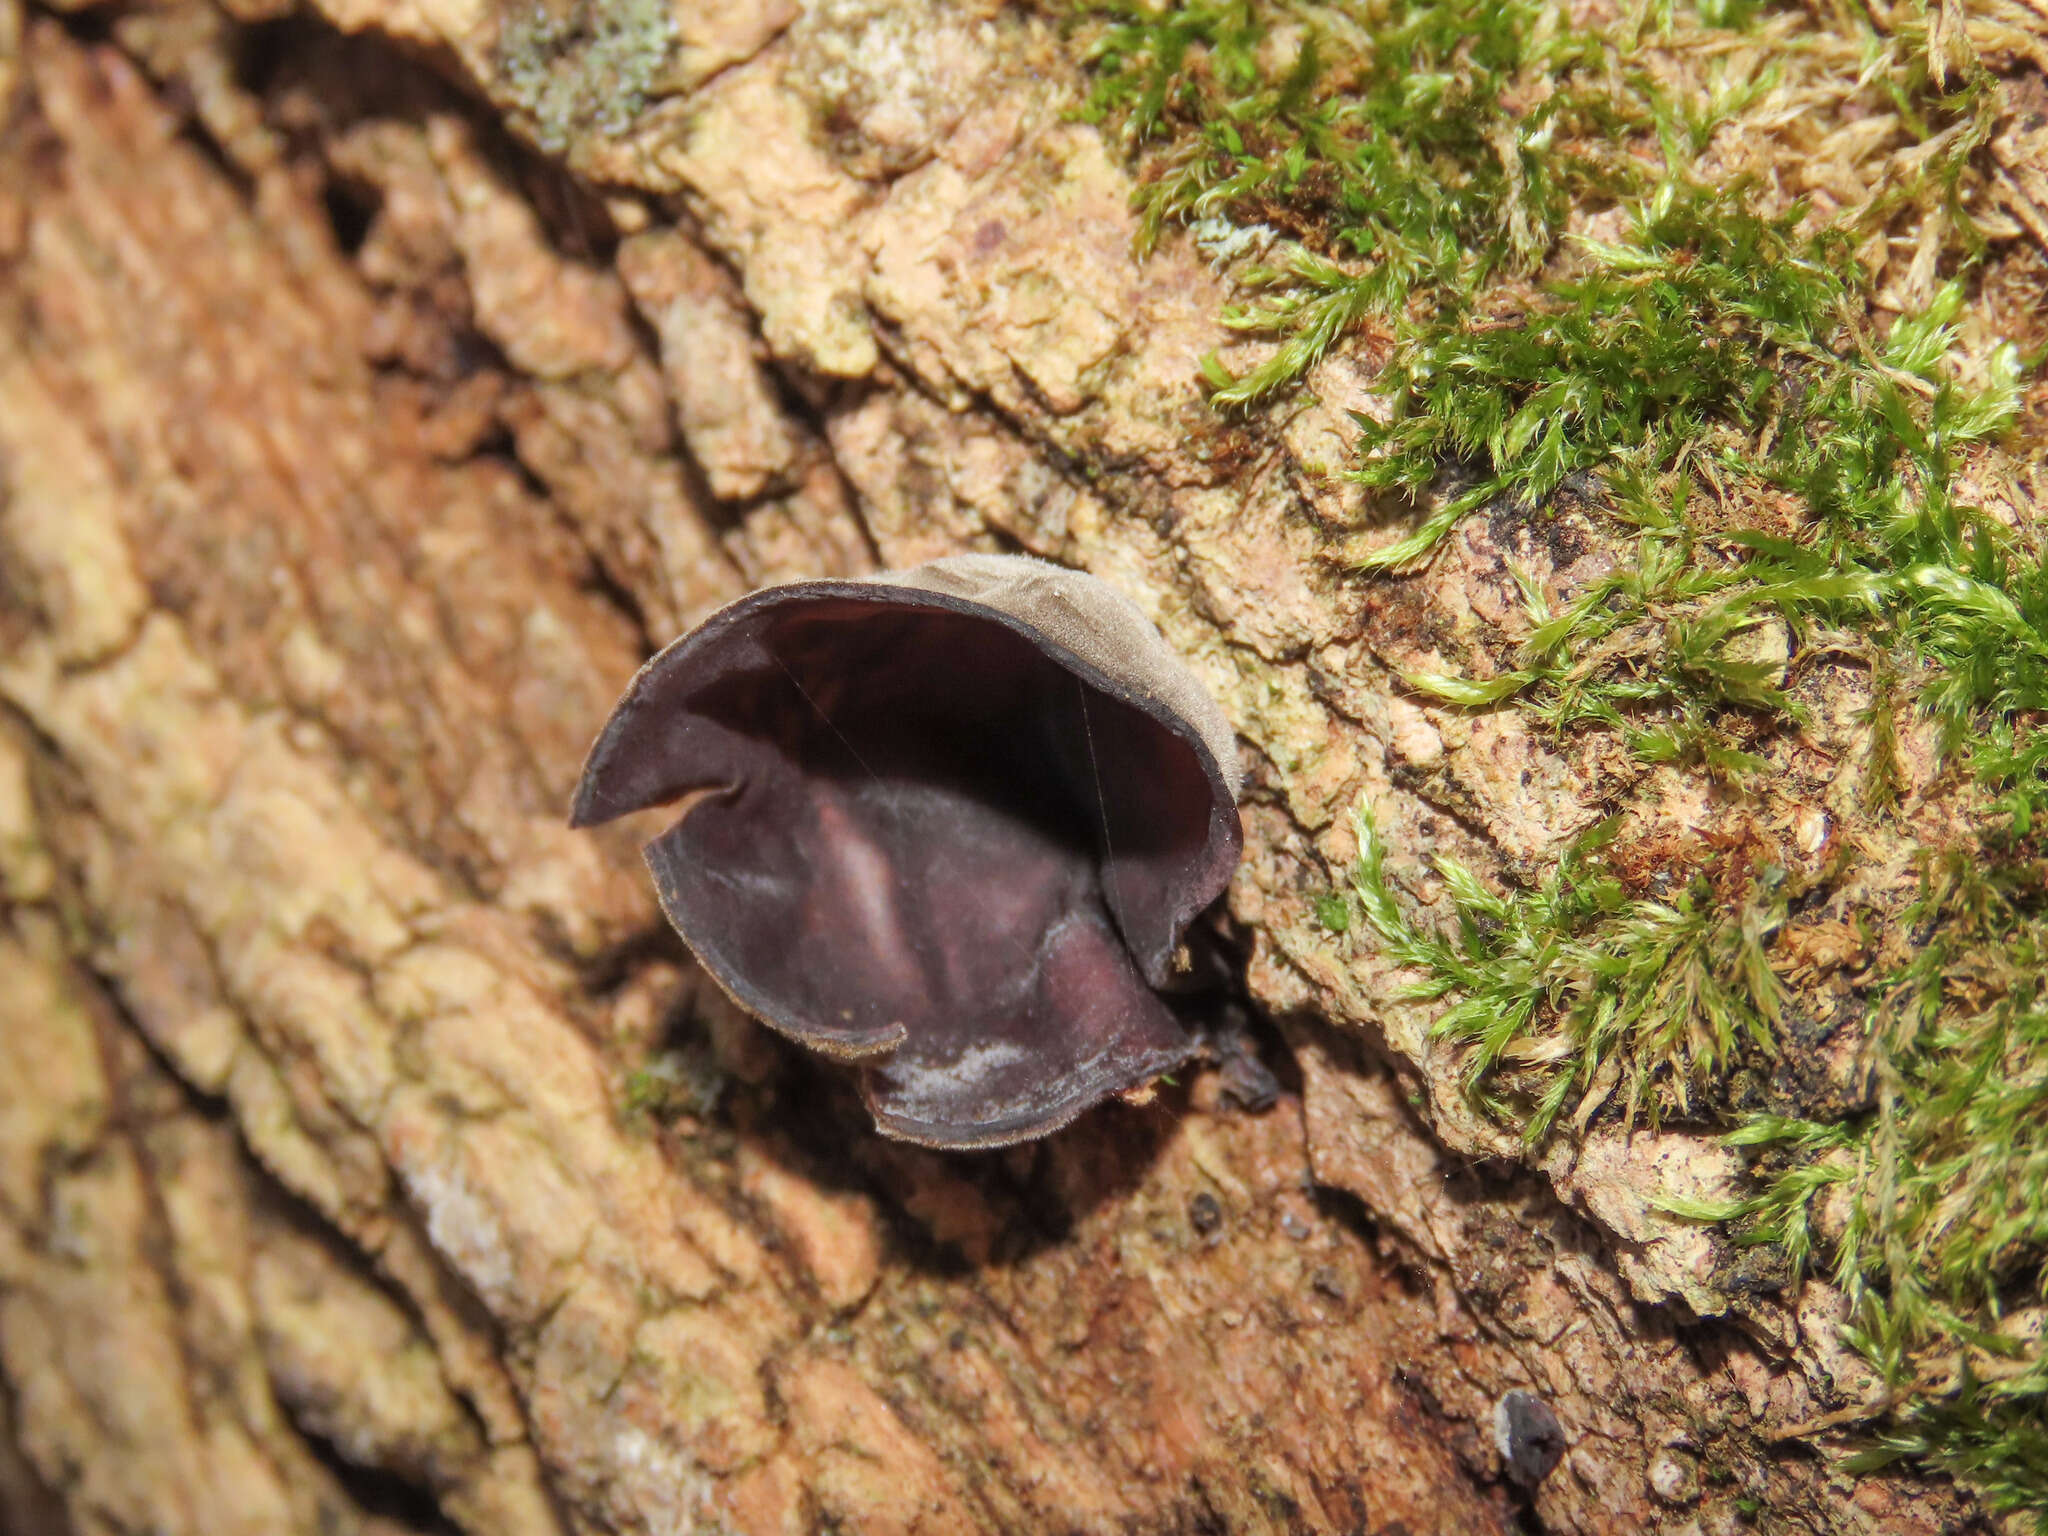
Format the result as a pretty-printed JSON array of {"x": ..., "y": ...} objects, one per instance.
[{"x": 950, "y": 823}]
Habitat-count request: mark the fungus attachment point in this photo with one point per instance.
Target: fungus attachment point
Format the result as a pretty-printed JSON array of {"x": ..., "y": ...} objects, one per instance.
[{"x": 949, "y": 823}]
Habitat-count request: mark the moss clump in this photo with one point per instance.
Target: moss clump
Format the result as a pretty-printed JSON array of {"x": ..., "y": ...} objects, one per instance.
[
  {"x": 1333, "y": 912},
  {"x": 1862, "y": 432},
  {"x": 585, "y": 67},
  {"x": 1361, "y": 166},
  {"x": 1572, "y": 990},
  {"x": 1710, "y": 352},
  {"x": 1392, "y": 160},
  {"x": 1673, "y": 333},
  {"x": 675, "y": 1082},
  {"x": 1932, "y": 1207}
]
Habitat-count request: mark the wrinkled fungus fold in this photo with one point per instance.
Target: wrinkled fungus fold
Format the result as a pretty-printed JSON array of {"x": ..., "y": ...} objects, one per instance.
[{"x": 949, "y": 823}]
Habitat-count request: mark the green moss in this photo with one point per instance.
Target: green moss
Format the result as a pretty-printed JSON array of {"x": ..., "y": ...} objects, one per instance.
[
  {"x": 1568, "y": 992},
  {"x": 1680, "y": 330},
  {"x": 1576, "y": 990},
  {"x": 1941, "y": 1187},
  {"x": 586, "y": 66},
  {"x": 1862, "y": 432},
  {"x": 1378, "y": 151},
  {"x": 1333, "y": 912},
  {"x": 1710, "y": 350},
  {"x": 1930, "y": 1208},
  {"x": 1410, "y": 167},
  {"x": 675, "y": 1082}
]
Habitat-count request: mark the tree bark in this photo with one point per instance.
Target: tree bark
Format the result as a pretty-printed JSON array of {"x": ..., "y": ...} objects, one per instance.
[{"x": 378, "y": 386}]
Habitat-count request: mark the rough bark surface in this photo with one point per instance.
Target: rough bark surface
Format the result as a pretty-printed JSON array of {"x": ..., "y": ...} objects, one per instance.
[{"x": 353, "y": 452}]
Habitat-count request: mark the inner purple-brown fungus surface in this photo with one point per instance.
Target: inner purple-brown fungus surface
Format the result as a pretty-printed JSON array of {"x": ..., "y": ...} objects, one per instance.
[{"x": 950, "y": 823}]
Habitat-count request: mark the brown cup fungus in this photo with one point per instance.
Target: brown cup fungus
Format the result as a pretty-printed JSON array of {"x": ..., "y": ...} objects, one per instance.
[{"x": 949, "y": 823}]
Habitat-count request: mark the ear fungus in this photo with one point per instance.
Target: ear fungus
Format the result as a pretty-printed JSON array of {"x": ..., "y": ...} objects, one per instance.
[{"x": 949, "y": 823}]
